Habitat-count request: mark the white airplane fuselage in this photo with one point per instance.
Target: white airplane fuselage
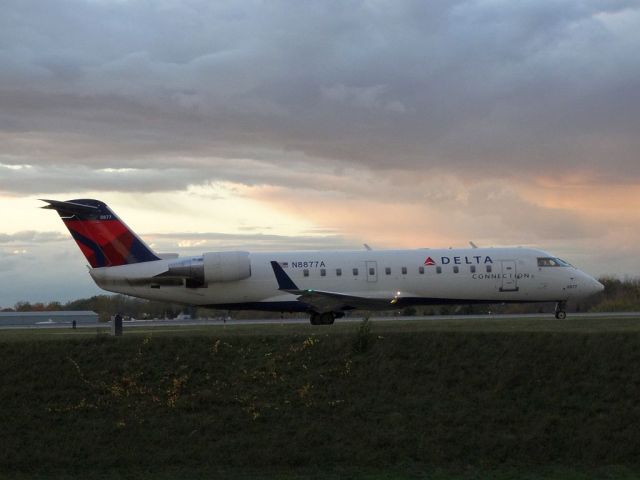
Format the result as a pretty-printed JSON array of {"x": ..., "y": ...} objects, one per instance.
[{"x": 412, "y": 277}]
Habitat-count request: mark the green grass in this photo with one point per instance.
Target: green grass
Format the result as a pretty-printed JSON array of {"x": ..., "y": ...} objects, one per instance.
[{"x": 435, "y": 399}]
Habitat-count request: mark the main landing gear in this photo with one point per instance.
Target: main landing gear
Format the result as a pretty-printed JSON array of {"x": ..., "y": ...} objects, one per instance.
[
  {"x": 561, "y": 308},
  {"x": 325, "y": 318}
]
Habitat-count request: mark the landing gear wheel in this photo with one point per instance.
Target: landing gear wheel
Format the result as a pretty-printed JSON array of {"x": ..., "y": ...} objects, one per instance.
[
  {"x": 326, "y": 318},
  {"x": 561, "y": 313}
]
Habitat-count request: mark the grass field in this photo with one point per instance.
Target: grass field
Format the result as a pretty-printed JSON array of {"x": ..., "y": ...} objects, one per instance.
[{"x": 532, "y": 398}]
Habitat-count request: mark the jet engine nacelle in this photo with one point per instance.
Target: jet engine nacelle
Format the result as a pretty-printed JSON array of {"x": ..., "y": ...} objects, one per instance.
[{"x": 213, "y": 267}]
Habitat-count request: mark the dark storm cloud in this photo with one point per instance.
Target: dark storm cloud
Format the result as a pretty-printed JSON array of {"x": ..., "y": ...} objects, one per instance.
[
  {"x": 470, "y": 86},
  {"x": 56, "y": 179},
  {"x": 160, "y": 177}
]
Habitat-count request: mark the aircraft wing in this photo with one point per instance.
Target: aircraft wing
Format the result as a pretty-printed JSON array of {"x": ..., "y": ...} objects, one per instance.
[{"x": 324, "y": 301}]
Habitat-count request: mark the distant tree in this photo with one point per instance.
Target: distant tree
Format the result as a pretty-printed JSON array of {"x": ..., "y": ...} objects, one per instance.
[
  {"x": 468, "y": 310},
  {"x": 22, "y": 307},
  {"x": 446, "y": 310},
  {"x": 53, "y": 306},
  {"x": 618, "y": 295},
  {"x": 38, "y": 307}
]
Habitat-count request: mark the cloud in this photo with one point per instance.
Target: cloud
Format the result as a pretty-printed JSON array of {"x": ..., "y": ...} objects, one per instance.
[
  {"x": 449, "y": 216},
  {"x": 30, "y": 237},
  {"x": 189, "y": 243},
  {"x": 469, "y": 85},
  {"x": 60, "y": 179},
  {"x": 47, "y": 272},
  {"x": 371, "y": 97}
]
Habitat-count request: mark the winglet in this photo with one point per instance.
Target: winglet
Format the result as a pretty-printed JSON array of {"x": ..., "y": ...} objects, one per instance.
[{"x": 284, "y": 281}]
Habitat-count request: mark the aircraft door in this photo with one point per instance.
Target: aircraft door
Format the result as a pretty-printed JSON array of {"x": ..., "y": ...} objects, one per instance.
[
  {"x": 372, "y": 271},
  {"x": 509, "y": 276}
]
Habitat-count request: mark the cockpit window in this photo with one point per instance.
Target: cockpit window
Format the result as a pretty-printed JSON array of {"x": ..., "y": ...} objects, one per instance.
[
  {"x": 547, "y": 262},
  {"x": 552, "y": 262},
  {"x": 563, "y": 263}
]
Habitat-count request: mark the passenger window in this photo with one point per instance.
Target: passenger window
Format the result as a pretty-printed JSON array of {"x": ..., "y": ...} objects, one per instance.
[
  {"x": 387, "y": 271},
  {"x": 456, "y": 269},
  {"x": 404, "y": 270},
  {"x": 355, "y": 272},
  {"x": 305, "y": 272},
  {"x": 438, "y": 269},
  {"x": 488, "y": 268},
  {"x": 338, "y": 272},
  {"x": 473, "y": 268},
  {"x": 323, "y": 272},
  {"x": 372, "y": 271},
  {"x": 421, "y": 270}
]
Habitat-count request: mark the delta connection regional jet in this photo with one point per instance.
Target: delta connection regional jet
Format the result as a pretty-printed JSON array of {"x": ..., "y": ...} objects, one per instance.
[{"x": 324, "y": 284}]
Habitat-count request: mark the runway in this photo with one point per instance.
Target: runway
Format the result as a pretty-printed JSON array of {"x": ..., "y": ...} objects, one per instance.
[{"x": 353, "y": 319}]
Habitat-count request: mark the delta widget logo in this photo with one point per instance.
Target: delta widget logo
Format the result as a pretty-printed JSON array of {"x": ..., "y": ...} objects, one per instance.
[{"x": 466, "y": 260}]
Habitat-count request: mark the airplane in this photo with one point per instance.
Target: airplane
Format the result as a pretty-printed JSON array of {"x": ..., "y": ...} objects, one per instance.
[{"x": 323, "y": 284}]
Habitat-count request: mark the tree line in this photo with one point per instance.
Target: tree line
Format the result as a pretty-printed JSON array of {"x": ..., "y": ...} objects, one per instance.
[{"x": 619, "y": 295}]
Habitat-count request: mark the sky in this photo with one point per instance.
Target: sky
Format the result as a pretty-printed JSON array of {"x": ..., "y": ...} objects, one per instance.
[{"x": 276, "y": 125}]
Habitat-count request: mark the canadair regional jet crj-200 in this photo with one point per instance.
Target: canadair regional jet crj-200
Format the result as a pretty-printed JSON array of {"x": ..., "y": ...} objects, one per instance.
[{"x": 324, "y": 284}]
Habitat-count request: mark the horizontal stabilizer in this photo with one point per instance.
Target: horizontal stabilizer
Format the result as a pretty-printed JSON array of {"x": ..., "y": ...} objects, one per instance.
[{"x": 69, "y": 207}]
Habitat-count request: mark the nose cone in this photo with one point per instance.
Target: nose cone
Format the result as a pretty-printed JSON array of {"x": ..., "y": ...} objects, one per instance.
[
  {"x": 592, "y": 286},
  {"x": 598, "y": 287}
]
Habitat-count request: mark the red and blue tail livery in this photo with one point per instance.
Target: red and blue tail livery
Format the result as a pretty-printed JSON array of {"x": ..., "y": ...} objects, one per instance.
[{"x": 104, "y": 239}]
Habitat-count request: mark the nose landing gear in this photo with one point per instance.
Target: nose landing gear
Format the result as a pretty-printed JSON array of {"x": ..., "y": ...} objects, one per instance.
[{"x": 561, "y": 308}]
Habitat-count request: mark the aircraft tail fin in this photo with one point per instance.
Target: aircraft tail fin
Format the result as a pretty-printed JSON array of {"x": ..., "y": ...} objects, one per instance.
[{"x": 104, "y": 239}]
